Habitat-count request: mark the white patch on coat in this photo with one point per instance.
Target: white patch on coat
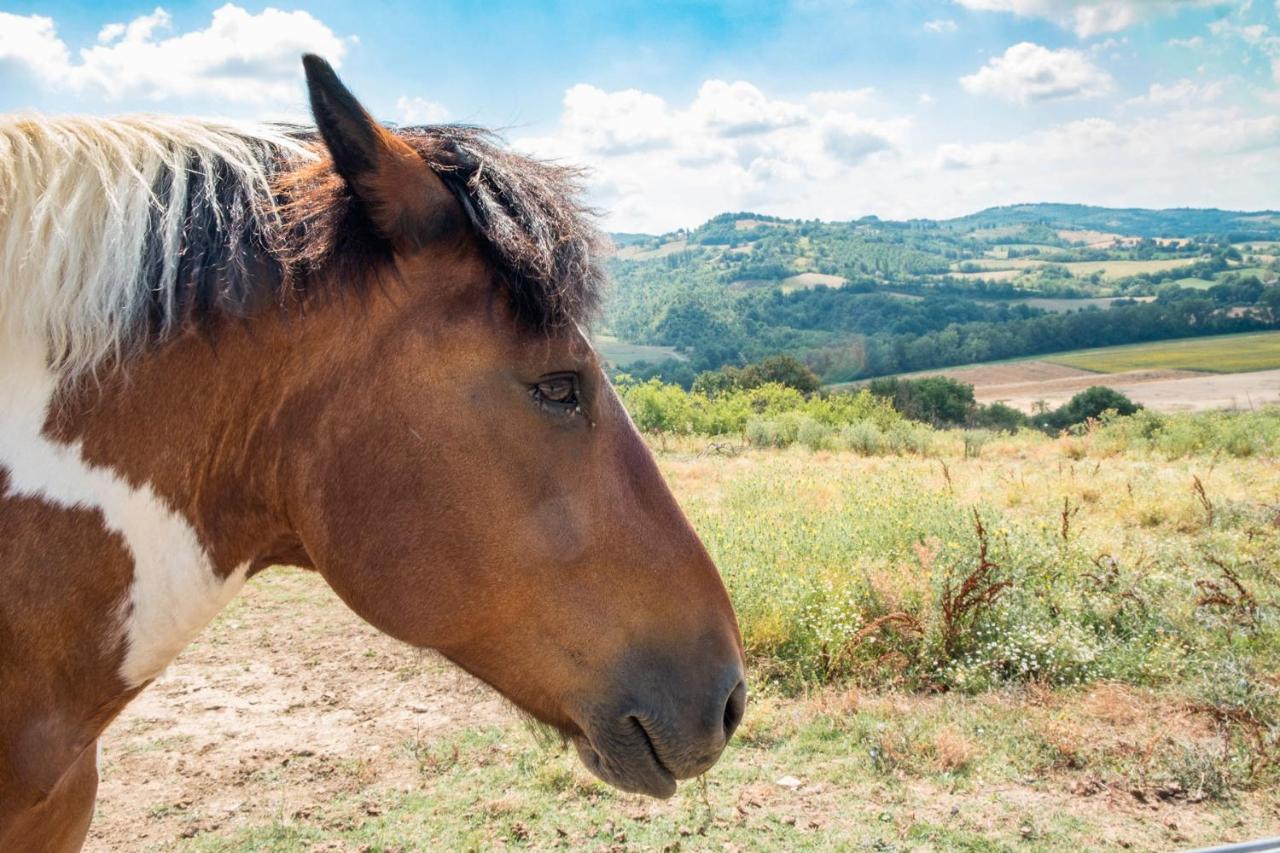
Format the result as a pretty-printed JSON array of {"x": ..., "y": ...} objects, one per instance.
[{"x": 175, "y": 591}]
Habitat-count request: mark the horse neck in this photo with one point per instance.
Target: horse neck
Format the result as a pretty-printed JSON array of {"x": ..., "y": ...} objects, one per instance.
[
  {"x": 195, "y": 422},
  {"x": 175, "y": 458}
]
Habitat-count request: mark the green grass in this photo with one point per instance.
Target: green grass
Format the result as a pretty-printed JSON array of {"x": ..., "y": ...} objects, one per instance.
[
  {"x": 1195, "y": 283},
  {"x": 1110, "y": 269},
  {"x": 877, "y": 774},
  {"x": 1122, "y": 269},
  {"x": 1217, "y": 354},
  {"x": 1002, "y": 251},
  {"x": 1261, "y": 273},
  {"x": 991, "y": 275},
  {"x": 1096, "y": 702},
  {"x": 622, "y": 354}
]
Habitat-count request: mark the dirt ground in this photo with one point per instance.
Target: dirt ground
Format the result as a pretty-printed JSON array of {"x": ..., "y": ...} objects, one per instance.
[
  {"x": 1014, "y": 372},
  {"x": 287, "y": 683},
  {"x": 1022, "y": 384},
  {"x": 292, "y": 725}
]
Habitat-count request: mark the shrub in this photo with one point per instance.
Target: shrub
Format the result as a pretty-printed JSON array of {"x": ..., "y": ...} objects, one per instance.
[
  {"x": 814, "y": 435},
  {"x": 998, "y": 416},
  {"x": 936, "y": 400},
  {"x": 666, "y": 409},
  {"x": 1089, "y": 404},
  {"x": 863, "y": 437},
  {"x": 782, "y": 431},
  {"x": 974, "y": 439},
  {"x": 659, "y": 408},
  {"x": 1237, "y": 434},
  {"x": 905, "y": 438},
  {"x": 784, "y": 370}
]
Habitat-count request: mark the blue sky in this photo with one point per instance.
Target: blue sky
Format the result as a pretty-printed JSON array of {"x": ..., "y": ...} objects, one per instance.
[{"x": 826, "y": 108}]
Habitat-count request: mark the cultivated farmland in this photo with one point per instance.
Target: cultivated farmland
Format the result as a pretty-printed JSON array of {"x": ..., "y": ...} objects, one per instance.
[
  {"x": 1218, "y": 354},
  {"x": 622, "y": 355},
  {"x": 1109, "y": 269},
  {"x": 1189, "y": 374}
]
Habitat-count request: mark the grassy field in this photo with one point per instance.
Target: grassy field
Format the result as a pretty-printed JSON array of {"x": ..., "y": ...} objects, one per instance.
[
  {"x": 1002, "y": 251},
  {"x": 1262, "y": 273},
  {"x": 622, "y": 354},
  {"x": 1195, "y": 283},
  {"x": 1062, "y": 304},
  {"x": 1003, "y": 269},
  {"x": 1218, "y": 354},
  {"x": 1120, "y": 269},
  {"x": 1016, "y": 643},
  {"x": 991, "y": 275},
  {"x": 639, "y": 253},
  {"x": 810, "y": 280}
]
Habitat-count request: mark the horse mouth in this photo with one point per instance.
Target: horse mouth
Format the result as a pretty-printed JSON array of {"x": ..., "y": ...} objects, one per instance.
[{"x": 627, "y": 759}]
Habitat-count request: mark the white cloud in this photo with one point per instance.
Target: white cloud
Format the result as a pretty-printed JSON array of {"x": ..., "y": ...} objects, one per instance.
[
  {"x": 1028, "y": 72},
  {"x": 415, "y": 110},
  {"x": 941, "y": 25},
  {"x": 656, "y": 165},
  {"x": 1249, "y": 33},
  {"x": 1199, "y": 158},
  {"x": 613, "y": 123},
  {"x": 1100, "y": 147},
  {"x": 30, "y": 48},
  {"x": 740, "y": 109},
  {"x": 1112, "y": 45},
  {"x": 111, "y": 32},
  {"x": 1085, "y": 18},
  {"x": 239, "y": 57},
  {"x": 846, "y": 100},
  {"x": 1192, "y": 42},
  {"x": 1180, "y": 93}
]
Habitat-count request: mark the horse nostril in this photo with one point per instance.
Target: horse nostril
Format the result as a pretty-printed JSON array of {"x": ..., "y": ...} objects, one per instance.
[{"x": 734, "y": 708}]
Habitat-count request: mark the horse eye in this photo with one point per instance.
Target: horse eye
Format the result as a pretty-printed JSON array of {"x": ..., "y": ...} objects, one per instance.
[{"x": 557, "y": 391}]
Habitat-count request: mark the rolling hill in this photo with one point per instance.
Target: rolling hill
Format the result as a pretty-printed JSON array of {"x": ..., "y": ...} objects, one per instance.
[{"x": 873, "y": 297}]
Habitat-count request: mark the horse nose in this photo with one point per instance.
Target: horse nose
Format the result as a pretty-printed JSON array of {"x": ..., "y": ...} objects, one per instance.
[
  {"x": 734, "y": 707},
  {"x": 718, "y": 719}
]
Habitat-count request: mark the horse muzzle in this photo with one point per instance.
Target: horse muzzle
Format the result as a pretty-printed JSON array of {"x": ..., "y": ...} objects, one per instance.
[{"x": 651, "y": 738}]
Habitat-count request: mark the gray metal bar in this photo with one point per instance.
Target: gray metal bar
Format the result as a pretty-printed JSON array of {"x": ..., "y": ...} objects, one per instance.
[{"x": 1262, "y": 845}]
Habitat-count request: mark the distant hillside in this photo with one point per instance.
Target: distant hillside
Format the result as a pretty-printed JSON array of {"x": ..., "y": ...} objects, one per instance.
[
  {"x": 1133, "y": 221},
  {"x": 1136, "y": 222},
  {"x": 871, "y": 296}
]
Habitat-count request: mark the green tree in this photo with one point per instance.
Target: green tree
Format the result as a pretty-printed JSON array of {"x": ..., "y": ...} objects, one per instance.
[
  {"x": 1089, "y": 403},
  {"x": 781, "y": 369},
  {"x": 937, "y": 400},
  {"x": 999, "y": 416}
]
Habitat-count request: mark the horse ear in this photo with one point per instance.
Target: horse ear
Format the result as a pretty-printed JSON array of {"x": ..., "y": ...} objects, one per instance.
[{"x": 405, "y": 198}]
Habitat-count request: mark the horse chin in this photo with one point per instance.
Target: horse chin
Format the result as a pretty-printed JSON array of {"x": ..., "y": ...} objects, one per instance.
[{"x": 627, "y": 763}]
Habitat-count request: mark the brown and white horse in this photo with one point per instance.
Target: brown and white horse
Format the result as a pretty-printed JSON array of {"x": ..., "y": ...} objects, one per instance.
[{"x": 359, "y": 351}]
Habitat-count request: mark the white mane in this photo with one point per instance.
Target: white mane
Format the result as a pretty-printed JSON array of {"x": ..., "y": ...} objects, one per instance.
[{"x": 94, "y": 215}]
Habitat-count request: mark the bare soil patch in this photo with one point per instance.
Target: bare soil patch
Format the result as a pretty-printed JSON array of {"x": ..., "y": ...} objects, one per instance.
[
  {"x": 1005, "y": 373},
  {"x": 292, "y": 725},
  {"x": 1024, "y": 395},
  {"x": 288, "y": 700},
  {"x": 1159, "y": 390},
  {"x": 1024, "y": 384},
  {"x": 639, "y": 253},
  {"x": 810, "y": 280}
]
